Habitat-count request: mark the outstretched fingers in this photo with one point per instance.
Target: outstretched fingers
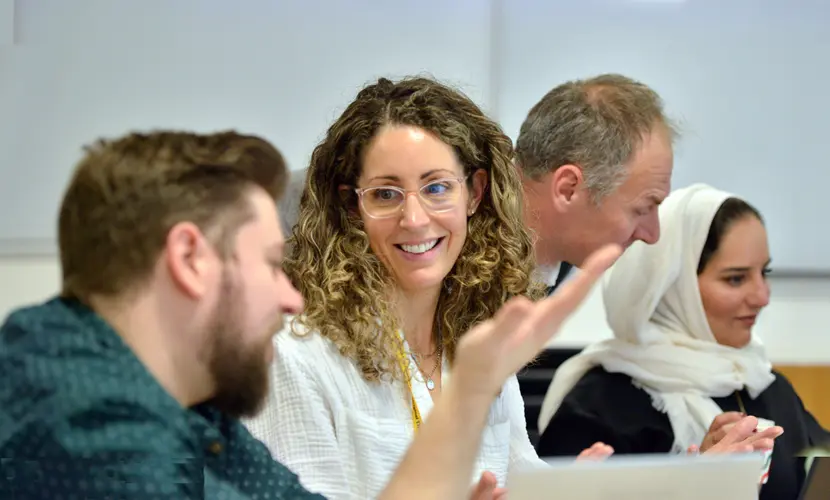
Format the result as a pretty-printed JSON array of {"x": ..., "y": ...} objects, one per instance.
[
  {"x": 739, "y": 432},
  {"x": 551, "y": 312},
  {"x": 744, "y": 437},
  {"x": 520, "y": 328}
]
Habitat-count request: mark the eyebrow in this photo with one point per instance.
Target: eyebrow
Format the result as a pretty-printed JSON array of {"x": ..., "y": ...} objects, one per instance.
[
  {"x": 729, "y": 270},
  {"x": 741, "y": 269},
  {"x": 395, "y": 178}
]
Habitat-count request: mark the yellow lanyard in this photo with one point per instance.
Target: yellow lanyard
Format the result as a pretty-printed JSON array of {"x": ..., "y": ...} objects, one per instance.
[{"x": 404, "y": 362}]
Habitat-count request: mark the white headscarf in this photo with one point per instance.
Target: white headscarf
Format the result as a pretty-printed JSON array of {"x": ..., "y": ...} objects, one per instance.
[{"x": 662, "y": 337}]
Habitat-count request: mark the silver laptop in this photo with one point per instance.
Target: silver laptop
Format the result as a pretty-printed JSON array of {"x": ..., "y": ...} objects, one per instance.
[
  {"x": 638, "y": 477},
  {"x": 817, "y": 482}
]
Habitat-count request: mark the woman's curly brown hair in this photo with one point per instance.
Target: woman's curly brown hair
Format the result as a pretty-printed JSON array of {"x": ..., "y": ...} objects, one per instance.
[{"x": 344, "y": 284}]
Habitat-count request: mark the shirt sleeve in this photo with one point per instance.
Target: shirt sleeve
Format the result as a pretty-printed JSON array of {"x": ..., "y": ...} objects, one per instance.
[
  {"x": 110, "y": 449},
  {"x": 297, "y": 426},
  {"x": 522, "y": 454}
]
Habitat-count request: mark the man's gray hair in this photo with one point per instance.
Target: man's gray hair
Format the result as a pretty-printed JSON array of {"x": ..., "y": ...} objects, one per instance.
[{"x": 596, "y": 124}]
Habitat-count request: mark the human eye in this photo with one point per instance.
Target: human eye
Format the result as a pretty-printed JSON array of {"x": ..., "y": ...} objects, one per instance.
[
  {"x": 275, "y": 265},
  {"x": 439, "y": 188},
  {"x": 384, "y": 194},
  {"x": 735, "y": 280},
  {"x": 644, "y": 210}
]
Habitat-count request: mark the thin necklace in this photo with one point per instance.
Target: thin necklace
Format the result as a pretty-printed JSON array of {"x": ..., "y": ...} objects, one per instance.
[{"x": 430, "y": 383}]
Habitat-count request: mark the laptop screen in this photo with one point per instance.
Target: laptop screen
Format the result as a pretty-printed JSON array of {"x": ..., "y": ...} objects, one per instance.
[{"x": 817, "y": 483}]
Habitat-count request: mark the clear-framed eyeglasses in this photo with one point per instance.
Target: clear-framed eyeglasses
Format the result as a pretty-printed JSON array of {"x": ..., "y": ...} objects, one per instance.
[{"x": 440, "y": 195}]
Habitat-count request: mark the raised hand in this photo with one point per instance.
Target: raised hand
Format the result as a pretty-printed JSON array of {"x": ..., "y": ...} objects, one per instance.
[
  {"x": 446, "y": 445},
  {"x": 497, "y": 348}
]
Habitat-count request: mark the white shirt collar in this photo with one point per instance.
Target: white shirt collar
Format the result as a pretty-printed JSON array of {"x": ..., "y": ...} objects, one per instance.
[{"x": 547, "y": 274}]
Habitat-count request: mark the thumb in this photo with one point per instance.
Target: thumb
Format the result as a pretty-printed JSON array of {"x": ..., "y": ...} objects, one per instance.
[
  {"x": 485, "y": 487},
  {"x": 693, "y": 450}
]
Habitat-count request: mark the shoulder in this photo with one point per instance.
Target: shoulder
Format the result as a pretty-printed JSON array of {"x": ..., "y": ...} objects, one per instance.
[
  {"x": 298, "y": 345},
  {"x": 43, "y": 330},
  {"x": 302, "y": 356},
  {"x": 61, "y": 381},
  {"x": 603, "y": 395},
  {"x": 606, "y": 407},
  {"x": 781, "y": 388},
  {"x": 781, "y": 381},
  {"x": 602, "y": 383}
]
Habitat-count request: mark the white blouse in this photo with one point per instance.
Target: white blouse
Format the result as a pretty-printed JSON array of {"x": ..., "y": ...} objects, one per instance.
[{"x": 344, "y": 436}]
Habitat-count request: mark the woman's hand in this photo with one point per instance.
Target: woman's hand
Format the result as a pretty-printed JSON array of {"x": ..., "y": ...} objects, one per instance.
[
  {"x": 487, "y": 488},
  {"x": 598, "y": 451},
  {"x": 728, "y": 435}
]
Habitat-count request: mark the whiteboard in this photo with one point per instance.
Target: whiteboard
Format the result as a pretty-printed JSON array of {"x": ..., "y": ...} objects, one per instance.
[
  {"x": 280, "y": 69},
  {"x": 748, "y": 80},
  {"x": 6, "y": 24}
]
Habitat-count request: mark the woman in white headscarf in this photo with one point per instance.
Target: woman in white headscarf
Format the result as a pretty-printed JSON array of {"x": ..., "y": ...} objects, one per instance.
[{"x": 682, "y": 313}]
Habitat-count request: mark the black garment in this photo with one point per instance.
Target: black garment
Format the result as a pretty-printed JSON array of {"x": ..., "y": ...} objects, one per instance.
[
  {"x": 607, "y": 407},
  {"x": 564, "y": 270}
]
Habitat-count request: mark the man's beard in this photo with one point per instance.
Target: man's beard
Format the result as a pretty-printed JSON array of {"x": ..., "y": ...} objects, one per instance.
[{"x": 239, "y": 371}]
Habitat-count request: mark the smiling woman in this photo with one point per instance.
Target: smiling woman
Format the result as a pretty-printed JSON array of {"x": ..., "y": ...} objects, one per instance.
[
  {"x": 684, "y": 357},
  {"x": 418, "y": 237},
  {"x": 410, "y": 232}
]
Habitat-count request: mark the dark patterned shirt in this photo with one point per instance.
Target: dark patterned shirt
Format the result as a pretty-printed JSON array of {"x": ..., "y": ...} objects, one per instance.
[{"x": 82, "y": 418}]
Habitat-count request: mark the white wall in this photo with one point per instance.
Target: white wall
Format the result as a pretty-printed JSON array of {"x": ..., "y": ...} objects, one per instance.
[
  {"x": 6, "y": 23},
  {"x": 283, "y": 70},
  {"x": 751, "y": 105},
  {"x": 794, "y": 327}
]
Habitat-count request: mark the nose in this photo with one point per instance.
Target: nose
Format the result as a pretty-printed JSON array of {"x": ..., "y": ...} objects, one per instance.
[
  {"x": 649, "y": 230},
  {"x": 291, "y": 302},
  {"x": 414, "y": 215},
  {"x": 759, "y": 298}
]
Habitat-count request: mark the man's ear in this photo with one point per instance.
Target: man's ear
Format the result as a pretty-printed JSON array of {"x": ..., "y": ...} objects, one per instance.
[
  {"x": 566, "y": 182},
  {"x": 188, "y": 257}
]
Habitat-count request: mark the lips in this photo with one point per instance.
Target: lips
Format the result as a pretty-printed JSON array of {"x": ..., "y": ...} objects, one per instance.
[
  {"x": 421, "y": 247},
  {"x": 748, "y": 320}
]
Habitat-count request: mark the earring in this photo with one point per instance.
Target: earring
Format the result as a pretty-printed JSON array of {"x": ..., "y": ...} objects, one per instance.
[{"x": 471, "y": 211}]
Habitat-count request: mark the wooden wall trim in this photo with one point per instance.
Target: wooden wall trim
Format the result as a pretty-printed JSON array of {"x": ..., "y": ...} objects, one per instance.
[{"x": 812, "y": 383}]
